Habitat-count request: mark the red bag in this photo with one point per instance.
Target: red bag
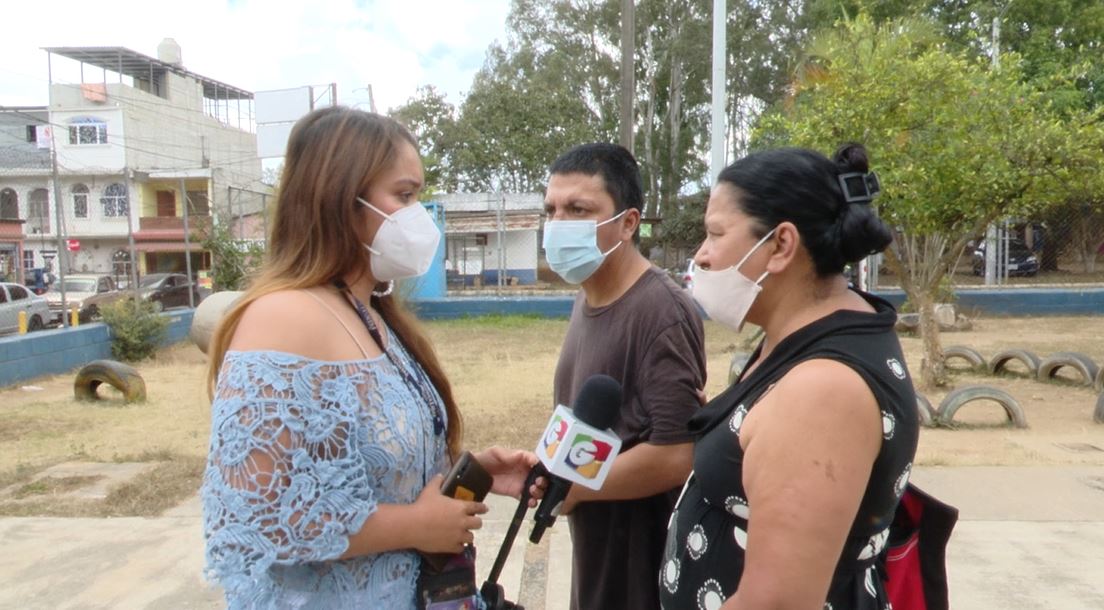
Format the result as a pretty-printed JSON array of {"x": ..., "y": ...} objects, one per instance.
[{"x": 916, "y": 557}]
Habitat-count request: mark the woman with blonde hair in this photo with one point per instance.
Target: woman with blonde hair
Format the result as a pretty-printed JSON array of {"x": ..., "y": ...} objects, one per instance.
[{"x": 332, "y": 419}]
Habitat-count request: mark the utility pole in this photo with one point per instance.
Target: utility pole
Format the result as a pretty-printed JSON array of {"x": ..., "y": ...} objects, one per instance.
[
  {"x": 57, "y": 192},
  {"x": 132, "y": 270},
  {"x": 993, "y": 272},
  {"x": 717, "y": 122},
  {"x": 628, "y": 81},
  {"x": 61, "y": 246},
  {"x": 187, "y": 246}
]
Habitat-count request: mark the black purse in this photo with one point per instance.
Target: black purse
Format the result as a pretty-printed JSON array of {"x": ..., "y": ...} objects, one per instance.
[{"x": 449, "y": 585}]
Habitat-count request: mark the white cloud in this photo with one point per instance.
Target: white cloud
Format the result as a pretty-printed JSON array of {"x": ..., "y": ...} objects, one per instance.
[{"x": 395, "y": 45}]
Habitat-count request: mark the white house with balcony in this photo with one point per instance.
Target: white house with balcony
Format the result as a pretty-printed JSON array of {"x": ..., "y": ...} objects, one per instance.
[{"x": 132, "y": 146}]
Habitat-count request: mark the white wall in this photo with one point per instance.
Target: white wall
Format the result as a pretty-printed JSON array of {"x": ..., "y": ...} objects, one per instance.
[
  {"x": 90, "y": 158},
  {"x": 148, "y": 133},
  {"x": 520, "y": 248}
]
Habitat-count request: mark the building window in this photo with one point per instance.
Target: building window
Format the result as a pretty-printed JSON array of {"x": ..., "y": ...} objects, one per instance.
[
  {"x": 87, "y": 130},
  {"x": 9, "y": 205},
  {"x": 28, "y": 262},
  {"x": 38, "y": 212},
  {"x": 80, "y": 201},
  {"x": 114, "y": 201},
  {"x": 32, "y": 133}
]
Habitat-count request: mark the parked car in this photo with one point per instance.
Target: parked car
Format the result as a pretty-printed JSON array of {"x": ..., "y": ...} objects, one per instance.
[
  {"x": 167, "y": 290},
  {"x": 1021, "y": 260},
  {"x": 90, "y": 292},
  {"x": 14, "y": 299}
]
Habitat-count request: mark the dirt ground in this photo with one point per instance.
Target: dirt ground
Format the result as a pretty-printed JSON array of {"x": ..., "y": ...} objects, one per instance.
[{"x": 502, "y": 371}]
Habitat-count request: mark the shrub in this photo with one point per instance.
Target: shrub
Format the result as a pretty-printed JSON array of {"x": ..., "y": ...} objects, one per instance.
[{"x": 136, "y": 329}]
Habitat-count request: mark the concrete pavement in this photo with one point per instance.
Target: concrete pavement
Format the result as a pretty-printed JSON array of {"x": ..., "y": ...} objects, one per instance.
[{"x": 1028, "y": 538}]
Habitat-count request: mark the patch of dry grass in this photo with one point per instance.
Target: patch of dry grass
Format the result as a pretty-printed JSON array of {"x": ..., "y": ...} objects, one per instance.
[
  {"x": 54, "y": 485},
  {"x": 501, "y": 370}
]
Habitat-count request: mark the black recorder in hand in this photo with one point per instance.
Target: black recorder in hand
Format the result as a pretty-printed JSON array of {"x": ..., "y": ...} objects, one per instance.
[
  {"x": 447, "y": 581},
  {"x": 467, "y": 480}
]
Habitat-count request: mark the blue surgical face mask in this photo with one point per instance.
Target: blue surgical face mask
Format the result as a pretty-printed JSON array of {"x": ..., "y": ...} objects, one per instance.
[{"x": 571, "y": 247}]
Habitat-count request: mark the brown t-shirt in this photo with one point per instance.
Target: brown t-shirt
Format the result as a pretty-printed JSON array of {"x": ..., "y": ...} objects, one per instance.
[{"x": 651, "y": 341}]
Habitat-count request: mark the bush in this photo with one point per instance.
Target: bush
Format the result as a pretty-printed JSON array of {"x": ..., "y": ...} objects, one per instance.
[{"x": 136, "y": 329}]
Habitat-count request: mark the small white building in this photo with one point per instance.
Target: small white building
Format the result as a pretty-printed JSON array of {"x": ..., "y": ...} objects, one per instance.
[
  {"x": 489, "y": 236},
  {"x": 132, "y": 144}
]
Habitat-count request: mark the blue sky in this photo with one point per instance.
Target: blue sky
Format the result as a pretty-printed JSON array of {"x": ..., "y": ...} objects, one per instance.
[{"x": 394, "y": 45}]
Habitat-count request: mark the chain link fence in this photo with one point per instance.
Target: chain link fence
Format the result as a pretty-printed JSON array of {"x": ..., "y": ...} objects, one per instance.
[
  {"x": 1059, "y": 247},
  {"x": 493, "y": 246}
]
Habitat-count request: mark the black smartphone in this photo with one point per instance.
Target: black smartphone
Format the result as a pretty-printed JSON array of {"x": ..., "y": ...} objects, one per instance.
[{"x": 467, "y": 480}]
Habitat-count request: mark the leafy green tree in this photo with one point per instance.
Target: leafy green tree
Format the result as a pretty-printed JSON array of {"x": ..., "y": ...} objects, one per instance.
[
  {"x": 957, "y": 144},
  {"x": 432, "y": 121},
  {"x": 233, "y": 261}
]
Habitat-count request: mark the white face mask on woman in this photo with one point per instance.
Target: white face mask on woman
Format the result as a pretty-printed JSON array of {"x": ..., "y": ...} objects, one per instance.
[
  {"x": 405, "y": 244},
  {"x": 727, "y": 295}
]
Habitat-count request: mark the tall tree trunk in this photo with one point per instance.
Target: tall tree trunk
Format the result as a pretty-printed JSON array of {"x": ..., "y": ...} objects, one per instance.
[
  {"x": 933, "y": 373},
  {"x": 674, "y": 131},
  {"x": 905, "y": 258},
  {"x": 652, "y": 196}
]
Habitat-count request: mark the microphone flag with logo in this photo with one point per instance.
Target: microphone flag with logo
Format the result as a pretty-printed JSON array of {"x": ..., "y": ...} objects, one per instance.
[{"x": 578, "y": 445}]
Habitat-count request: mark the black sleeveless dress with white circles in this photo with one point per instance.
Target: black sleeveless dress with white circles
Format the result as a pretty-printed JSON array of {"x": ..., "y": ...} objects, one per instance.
[{"x": 707, "y": 532}]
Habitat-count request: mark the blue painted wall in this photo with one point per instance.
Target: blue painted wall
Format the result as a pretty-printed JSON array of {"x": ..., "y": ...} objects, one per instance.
[
  {"x": 62, "y": 350},
  {"x": 462, "y": 307},
  {"x": 1088, "y": 301},
  {"x": 1010, "y": 302},
  {"x": 431, "y": 284}
]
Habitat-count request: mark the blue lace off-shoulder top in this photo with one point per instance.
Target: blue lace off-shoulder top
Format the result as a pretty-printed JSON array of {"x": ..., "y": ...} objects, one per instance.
[{"x": 302, "y": 452}]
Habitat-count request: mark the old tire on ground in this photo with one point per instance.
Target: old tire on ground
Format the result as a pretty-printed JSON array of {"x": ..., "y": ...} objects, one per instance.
[
  {"x": 1098, "y": 413},
  {"x": 1084, "y": 365},
  {"x": 1098, "y": 382},
  {"x": 208, "y": 314},
  {"x": 739, "y": 361},
  {"x": 1003, "y": 357},
  {"x": 970, "y": 393},
  {"x": 969, "y": 354},
  {"x": 122, "y": 377},
  {"x": 924, "y": 408}
]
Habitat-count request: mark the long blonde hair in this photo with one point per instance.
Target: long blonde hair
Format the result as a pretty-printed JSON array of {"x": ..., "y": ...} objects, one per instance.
[{"x": 333, "y": 155}]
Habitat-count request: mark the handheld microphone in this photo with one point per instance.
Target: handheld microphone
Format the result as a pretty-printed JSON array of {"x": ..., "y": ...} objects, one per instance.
[{"x": 578, "y": 446}]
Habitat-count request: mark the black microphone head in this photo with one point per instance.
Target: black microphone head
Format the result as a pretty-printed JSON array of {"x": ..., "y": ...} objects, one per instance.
[{"x": 598, "y": 403}]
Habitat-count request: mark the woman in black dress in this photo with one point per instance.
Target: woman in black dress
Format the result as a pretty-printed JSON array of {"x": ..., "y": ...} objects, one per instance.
[{"x": 800, "y": 464}]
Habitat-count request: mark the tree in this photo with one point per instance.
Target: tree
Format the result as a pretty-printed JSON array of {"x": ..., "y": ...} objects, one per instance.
[
  {"x": 554, "y": 83},
  {"x": 233, "y": 261},
  {"x": 956, "y": 144},
  {"x": 517, "y": 118},
  {"x": 432, "y": 121}
]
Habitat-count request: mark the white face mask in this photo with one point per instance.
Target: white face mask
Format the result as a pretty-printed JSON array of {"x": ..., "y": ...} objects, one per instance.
[
  {"x": 727, "y": 295},
  {"x": 405, "y": 244}
]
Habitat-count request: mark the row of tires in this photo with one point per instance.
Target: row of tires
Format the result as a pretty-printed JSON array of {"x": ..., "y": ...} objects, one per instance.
[
  {"x": 1043, "y": 369},
  {"x": 944, "y": 414}
]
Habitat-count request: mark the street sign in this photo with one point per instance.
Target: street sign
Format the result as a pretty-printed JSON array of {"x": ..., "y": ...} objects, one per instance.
[{"x": 72, "y": 245}]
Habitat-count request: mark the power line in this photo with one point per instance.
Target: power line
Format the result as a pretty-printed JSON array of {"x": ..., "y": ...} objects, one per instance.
[{"x": 243, "y": 159}]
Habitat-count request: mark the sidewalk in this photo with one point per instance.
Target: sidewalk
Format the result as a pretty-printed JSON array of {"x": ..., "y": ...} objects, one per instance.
[{"x": 1028, "y": 538}]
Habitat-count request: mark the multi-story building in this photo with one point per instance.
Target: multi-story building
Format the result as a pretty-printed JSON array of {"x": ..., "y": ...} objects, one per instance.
[{"x": 131, "y": 148}]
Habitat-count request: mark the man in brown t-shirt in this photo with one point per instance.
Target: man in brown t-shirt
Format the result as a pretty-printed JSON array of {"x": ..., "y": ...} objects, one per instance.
[{"x": 631, "y": 322}]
